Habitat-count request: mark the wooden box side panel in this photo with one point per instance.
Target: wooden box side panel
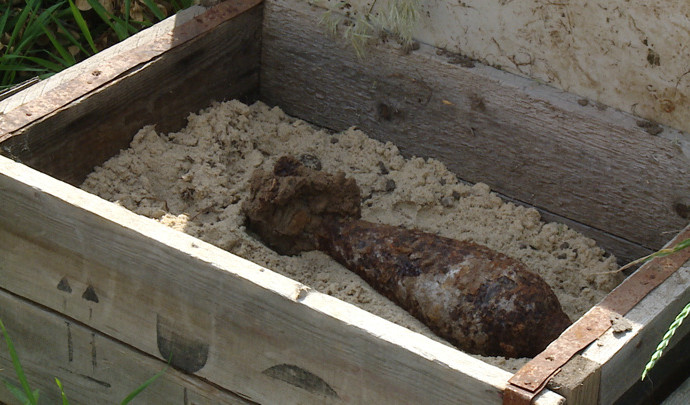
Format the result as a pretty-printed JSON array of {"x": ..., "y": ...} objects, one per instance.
[
  {"x": 26, "y": 95},
  {"x": 157, "y": 80},
  {"x": 526, "y": 140},
  {"x": 92, "y": 368},
  {"x": 244, "y": 328},
  {"x": 623, "y": 355}
]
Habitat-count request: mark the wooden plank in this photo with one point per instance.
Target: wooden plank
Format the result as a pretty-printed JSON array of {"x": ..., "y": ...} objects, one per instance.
[
  {"x": 624, "y": 250},
  {"x": 681, "y": 396},
  {"x": 145, "y": 36},
  {"x": 622, "y": 356},
  {"x": 578, "y": 381},
  {"x": 667, "y": 376},
  {"x": 526, "y": 140},
  {"x": 179, "y": 70},
  {"x": 249, "y": 330},
  {"x": 93, "y": 368}
]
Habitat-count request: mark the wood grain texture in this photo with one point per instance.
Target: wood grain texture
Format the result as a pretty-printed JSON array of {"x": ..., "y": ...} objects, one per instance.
[
  {"x": 578, "y": 381},
  {"x": 153, "y": 288},
  {"x": 623, "y": 355},
  {"x": 667, "y": 376},
  {"x": 93, "y": 368},
  {"x": 214, "y": 56},
  {"x": 624, "y": 250},
  {"x": 526, "y": 140},
  {"x": 143, "y": 37},
  {"x": 681, "y": 396}
]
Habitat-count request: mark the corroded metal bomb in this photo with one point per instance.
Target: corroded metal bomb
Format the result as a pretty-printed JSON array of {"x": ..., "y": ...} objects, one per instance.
[{"x": 482, "y": 301}]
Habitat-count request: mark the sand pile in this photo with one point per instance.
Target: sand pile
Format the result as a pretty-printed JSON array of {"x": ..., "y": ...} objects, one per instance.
[{"x": 195, "y": 181}]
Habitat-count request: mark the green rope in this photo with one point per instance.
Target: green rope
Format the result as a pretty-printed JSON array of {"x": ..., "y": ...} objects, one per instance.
[
  {"x": 679, "y": 318},
  {"x": 665, "y": 340}
]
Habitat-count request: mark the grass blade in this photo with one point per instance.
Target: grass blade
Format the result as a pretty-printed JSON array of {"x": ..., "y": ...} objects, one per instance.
[
  {"x": 4, "y": 18},
  {"x": 35, "y": 29},
  {"x": 143, "y": 386},
  {"x": 66, "y": 56},
  {"x": 32, "y": 27},
  {"x": 25, "y": 33},
  {"x": 155, "y": 10},
  {"x": 18, "y": 26},
  {"x": 660, "y": 253},
  {"x": 16, "y": 391},
  {"x": 17, "y": 366},
  {"x": 62, "y": 392},
  {"x": 21, "y": 66},
  {"x": 128, "y": 6},
  {"x": 82, "y": 25},
  {"x": 65, "y": 33},
  {"x": 118, "y": 25},
  {"x": 51, "y": 66}
]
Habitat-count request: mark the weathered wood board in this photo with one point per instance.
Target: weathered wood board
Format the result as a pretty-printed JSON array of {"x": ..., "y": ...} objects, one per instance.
[
  {"x": 152, "y": 79},
  {"x": 622, "y": 356},
  {"x": 665, "y": 379},
  {"x": 223, "y": 318},
  {"x": 93, "y": 368},
  {"x": 105, "y": 56},
  {"x": 138, "y": 288},
  {"x": 681, "y": 396},
  {"x": 526, "y": 140}
]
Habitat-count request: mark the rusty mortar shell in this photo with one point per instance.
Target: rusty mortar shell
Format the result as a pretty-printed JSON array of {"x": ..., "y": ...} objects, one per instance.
[{"x": 479, "y": 300}]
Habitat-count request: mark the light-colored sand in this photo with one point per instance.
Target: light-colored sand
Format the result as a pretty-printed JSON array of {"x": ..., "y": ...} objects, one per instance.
[{"x": 195, "y": 181}]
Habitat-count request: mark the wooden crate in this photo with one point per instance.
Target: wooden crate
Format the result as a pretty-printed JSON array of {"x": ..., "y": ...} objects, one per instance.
[{"x": 101, "y": 297}]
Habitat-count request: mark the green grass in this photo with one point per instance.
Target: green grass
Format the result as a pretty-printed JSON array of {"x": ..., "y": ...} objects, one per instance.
[
  {"x": 26, "y": 396},
  {"x": 43, "y": 37}
]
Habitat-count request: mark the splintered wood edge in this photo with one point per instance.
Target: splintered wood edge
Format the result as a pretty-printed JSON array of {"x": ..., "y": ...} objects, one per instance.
[{"x": 466, "y": 374}]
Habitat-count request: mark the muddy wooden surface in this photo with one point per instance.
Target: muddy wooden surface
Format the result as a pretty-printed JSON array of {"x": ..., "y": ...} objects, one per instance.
[{"x": 527, "y": 141}]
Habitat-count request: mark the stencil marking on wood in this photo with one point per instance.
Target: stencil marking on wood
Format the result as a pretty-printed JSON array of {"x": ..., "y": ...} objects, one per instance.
[
  {"x": 301, "y": 378},
  {"x": 63, "y": 285},
  {"x": 70, "y": 345},
  {"x": 185, "y": 353},
  {"x": 94, "y": 362},
  {"x": 90, "y": 294}
]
